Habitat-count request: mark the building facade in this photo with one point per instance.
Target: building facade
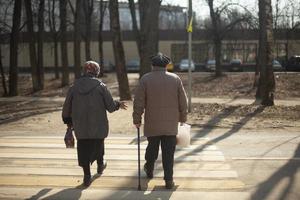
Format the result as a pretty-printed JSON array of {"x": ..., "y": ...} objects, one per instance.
[{"x": 239, "y": 44}]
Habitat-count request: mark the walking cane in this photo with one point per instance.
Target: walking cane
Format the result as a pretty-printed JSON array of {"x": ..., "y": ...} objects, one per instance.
[{"x": 139, "y": 159}]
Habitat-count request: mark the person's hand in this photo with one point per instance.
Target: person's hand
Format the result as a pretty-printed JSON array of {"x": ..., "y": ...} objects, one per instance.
[
  {"x": 137, "y": 125},
  {"x": 123, "y": 105}
]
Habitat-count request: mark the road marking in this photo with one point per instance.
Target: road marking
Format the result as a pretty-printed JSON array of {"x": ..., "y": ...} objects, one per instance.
[
  {"x": 45, "y": 162},
  {"x": 113, "y": 164},
  {"x": 109, "y": 151},
  {"x": 117, "y": 183},
  {"x": 61, "y": 145},
  {"x": 117, "y": 172},
  {"x": 114, "y": 194},
  {"x": 266, "y": 158},
  {"x": 109, "y": 157}
]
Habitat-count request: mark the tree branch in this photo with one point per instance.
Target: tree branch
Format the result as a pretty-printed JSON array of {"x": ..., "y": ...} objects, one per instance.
[
  {"x": 72, "y": 8},
  {"x": 230, "y": 26}
]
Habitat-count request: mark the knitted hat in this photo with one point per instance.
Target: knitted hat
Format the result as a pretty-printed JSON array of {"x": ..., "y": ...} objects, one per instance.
[
  {"x": 92, "y": 68},
  {"x": 160, "y": 60}
]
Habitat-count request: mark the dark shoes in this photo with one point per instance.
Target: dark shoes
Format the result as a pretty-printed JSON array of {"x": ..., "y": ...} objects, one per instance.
[
  {"x": 101, "y": 167},
  {"x": 169, "y": 184},
  {"x": 148, "y": 171},
  {"x": 87, "y": 180}
]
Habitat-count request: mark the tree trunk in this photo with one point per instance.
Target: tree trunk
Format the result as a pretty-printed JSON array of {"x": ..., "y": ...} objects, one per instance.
[
  {"x": 134, "y": 25},
  {"x": 124, "y": 91},
  {"x": 56, "y": 56},
  {"x": 88, "y": 44},
  {"x": 77, "y": 39},
  {"x": 13, "y": 56},
  {"x": 63, "y": 42},
  {"x": 287, "y": 47},
  {"x": 88, "y": 11},
  {"x": 149, "y": 34},
  {"x": 40, "y": 53},
  {"x": 52, "y": 24},
  {"x": 217, "y": 39},
  {"x": 218, "y": 57},
  {"x": 32, "y": 47},
  {"x": 256, "y": 74},
  {"x": 3, "y": 75},
  {"x": 266, "y": 87},
  {"x": 102, "y": 8}
]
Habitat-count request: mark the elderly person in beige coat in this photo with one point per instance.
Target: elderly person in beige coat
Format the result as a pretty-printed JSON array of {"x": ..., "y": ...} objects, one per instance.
[
  {"x": 85, "y": 110},
  {"x": 161, "y": 96}
]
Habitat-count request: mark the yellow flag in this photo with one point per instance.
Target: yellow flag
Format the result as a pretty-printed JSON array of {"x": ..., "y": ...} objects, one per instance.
[{"x": 190, "y": 27}]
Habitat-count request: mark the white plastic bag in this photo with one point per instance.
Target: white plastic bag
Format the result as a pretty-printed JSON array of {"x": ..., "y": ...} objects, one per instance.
[{"x": 184, "y": 135}]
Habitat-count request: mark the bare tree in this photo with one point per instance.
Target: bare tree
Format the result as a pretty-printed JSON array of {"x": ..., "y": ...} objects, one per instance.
[
  {"x": 172, "y": 17},
  {"x": 72, "y": 9},
  {"x": 220, "y": 28},
  {"x": 77, "y": 38},
  {"x": 36, "y": 79},
  {"x": 52, "y": 18},
  {"x": 40, "y": 43},
  {"x": 63, "y": 42},
  {"x": 290, "y": 22},
  {"x": 124, "y": 91},
  {"x": 3, "y": 75},
  {"x": 135, "y": 25},
  {"x": 88, "y": 6},
  {"x": 102, "y": 8},
  {"x": 4, "y": 28},
  {"x": 14, "y": 43},
  {"x": 148, "y": 35},
  {"x": 266, "y": 87}
]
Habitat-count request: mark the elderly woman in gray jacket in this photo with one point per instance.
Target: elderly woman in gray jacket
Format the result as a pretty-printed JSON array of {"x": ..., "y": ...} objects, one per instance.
[{"x": 85, "y": 109}]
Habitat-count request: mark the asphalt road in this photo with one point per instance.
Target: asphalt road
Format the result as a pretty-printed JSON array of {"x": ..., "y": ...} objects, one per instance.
[
  {"x": 236, "y": 163},
  {"x": 268, "y": 162},
  {"x": 232, "y": 164}
]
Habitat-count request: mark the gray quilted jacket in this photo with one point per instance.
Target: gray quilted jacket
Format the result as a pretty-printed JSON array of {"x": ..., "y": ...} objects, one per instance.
[{"x": 85, "y": 107}]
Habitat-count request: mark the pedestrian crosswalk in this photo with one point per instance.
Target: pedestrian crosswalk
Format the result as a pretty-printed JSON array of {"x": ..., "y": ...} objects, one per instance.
[{"x": 29, "y": 164}]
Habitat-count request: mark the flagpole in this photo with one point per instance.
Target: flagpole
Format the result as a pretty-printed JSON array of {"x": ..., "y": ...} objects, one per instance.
[{"x": 190, "y": 30}]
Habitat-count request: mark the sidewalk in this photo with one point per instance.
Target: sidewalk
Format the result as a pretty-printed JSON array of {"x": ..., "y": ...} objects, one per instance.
[{"x": 227, "y": 101}]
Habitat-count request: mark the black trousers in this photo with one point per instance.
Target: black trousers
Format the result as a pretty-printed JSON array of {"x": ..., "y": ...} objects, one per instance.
[{"x": 168, "y": 146}]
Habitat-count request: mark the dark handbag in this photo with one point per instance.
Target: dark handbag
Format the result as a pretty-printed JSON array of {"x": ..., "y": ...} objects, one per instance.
[{"x": 69, "y": 138}]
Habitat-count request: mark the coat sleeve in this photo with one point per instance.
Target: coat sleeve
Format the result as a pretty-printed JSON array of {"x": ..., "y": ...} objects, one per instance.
[
  {"x": 111, "y": 105},
  {"x": 182, "y": 99},
  {"x": 67, "y": 107},
  {"x": 139, "y": 103}
]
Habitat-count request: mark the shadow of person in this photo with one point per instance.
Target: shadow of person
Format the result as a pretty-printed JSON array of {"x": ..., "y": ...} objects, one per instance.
[
  {"x": 159, "y": 192},
  {"x": 147, "y": 192},
  {"x": 288, "y": 171},
  {"x": 39, "y": 194},
  {"x": 71, "y": 193},
  {"x": 135, "y": 140}
]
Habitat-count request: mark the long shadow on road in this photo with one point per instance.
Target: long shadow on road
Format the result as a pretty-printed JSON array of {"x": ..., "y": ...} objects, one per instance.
[
  {"x": 227, "y": 134},
  {"x": 207, "y": 128},
  {"x": 288, "y": 171},
  {"x": 21, "y": 110},
  {"x": 69, "y": 193}
]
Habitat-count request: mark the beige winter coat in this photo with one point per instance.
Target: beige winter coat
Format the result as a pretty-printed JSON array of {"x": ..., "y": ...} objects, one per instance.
[{"x": 161, "y": 96}]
